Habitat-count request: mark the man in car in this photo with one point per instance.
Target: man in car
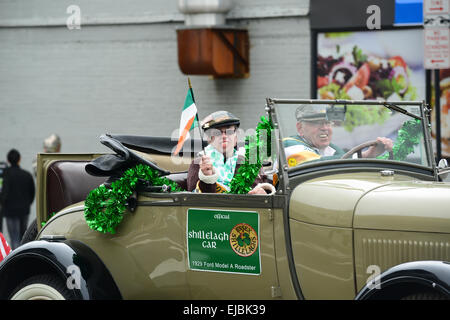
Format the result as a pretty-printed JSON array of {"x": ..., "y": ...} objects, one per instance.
[
  {"x": 215, "y": 167},
  {"x": 315, "y": 132}
]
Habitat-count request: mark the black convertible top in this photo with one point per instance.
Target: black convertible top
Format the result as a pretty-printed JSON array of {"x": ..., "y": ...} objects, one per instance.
[{"x": 157, "y": 145}]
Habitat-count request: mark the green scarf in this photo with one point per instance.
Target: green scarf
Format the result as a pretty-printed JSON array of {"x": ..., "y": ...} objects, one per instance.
[{"x": 224, "y": 169}]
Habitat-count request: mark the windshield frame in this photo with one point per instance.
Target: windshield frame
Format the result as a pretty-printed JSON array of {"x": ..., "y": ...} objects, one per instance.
[{"x": 285, "y": 171}]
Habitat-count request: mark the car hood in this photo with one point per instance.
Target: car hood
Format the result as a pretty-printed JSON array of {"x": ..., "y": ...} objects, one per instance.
[
  {"x": 405, "y": 206},
  {"x": 331, "y": 200}
]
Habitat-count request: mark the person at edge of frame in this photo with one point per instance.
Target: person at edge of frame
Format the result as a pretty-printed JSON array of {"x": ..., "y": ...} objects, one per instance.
[{"x": 16, "y": 197}]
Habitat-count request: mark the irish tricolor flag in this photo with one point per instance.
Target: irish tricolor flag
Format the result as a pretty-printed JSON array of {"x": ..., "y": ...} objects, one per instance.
[{"x": 188, "y": 120}]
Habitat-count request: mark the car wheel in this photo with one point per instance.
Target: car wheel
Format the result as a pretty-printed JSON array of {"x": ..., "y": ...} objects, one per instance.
[
  {"x": 30, "y": 234},
  {"x": 42, "y": 287}
]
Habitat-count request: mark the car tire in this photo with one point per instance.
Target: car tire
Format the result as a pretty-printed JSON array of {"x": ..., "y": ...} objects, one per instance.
[
  {"x": 31, "y": 233},
  {"x": 42, "y": 287}
]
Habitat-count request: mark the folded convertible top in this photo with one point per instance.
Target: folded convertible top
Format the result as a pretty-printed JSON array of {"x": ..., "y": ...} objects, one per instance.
[{"x": 158, "y": 145}]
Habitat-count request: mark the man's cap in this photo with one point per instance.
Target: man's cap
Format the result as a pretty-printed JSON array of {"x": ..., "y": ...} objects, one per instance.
[
  {"x": 219, "y": 119},
  {"x": 52, "y": 143},
  {"x": 311, "y": 112}
]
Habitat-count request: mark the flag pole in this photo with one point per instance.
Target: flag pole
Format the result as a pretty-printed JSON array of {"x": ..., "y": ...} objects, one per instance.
[{"x": 196, "y": 115}]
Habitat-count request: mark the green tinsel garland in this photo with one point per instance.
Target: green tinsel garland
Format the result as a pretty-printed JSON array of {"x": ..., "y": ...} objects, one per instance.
[
  {"x": 43, "y": 223},
  {"x": 104, "y": 207},
  {"x": 248, "y": 171},
  {"x": 409, "y": 136}
]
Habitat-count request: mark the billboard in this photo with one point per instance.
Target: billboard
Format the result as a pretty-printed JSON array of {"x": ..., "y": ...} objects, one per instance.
[
  {"x": 444, "y": 85},
  {"x": 370, "y": 65}
]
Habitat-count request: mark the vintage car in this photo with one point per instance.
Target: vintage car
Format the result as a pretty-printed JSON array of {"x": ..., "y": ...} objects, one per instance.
[{"x": 338, "y": 227}]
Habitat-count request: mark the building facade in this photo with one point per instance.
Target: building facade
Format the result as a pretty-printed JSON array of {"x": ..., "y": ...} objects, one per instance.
[{"x": 118, "y": 73}]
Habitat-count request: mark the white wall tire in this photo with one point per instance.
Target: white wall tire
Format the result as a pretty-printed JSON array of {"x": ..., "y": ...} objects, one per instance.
[
  {"x": 42, "y": 287},
  {"x": 37, "y": 291}
]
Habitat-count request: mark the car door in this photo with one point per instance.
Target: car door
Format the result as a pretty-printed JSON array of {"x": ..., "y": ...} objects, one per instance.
[{"x": 229, "y": 242}]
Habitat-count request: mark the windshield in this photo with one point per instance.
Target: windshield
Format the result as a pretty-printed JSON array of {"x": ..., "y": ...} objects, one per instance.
[{"x": 324, "y": 132}]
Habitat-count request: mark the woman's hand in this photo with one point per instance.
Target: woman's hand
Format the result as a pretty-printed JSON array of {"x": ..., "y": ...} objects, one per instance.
[
  {"x": 257, "y": 190},
  {"x": 206, "y": 166},
  {"x": 263, "y": 188}
]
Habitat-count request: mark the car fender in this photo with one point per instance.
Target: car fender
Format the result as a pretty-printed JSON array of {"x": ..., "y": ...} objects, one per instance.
[
  {"x": 71, "y": 260},
  {"x": 409, "y": 278}
]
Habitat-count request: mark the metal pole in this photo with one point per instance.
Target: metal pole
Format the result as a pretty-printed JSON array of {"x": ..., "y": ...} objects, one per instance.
[{"x": 437, "y": 106}]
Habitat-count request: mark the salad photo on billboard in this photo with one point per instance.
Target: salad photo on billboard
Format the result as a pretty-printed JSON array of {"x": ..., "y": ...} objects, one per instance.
[{"x": 371, "y": 65}]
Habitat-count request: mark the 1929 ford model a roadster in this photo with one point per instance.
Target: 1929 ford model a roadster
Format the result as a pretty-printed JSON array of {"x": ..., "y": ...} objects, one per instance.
[{"x": 336, "y": 228}]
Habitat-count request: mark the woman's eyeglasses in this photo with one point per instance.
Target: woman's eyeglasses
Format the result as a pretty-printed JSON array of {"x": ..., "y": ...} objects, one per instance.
[{"x": 219, "y": 132}]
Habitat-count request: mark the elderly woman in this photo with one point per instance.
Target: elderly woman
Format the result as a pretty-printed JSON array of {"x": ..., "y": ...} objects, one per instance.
[{"x": 213, "y": 170}]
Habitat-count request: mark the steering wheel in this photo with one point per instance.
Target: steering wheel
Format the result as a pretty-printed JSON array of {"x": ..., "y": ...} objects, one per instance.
[{"x": 358, "y": 150}]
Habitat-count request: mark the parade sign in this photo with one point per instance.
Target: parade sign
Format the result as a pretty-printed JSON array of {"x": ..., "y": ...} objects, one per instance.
[
  {"x": 223, "y": 241},
  {"x": 436, "y": 7}
]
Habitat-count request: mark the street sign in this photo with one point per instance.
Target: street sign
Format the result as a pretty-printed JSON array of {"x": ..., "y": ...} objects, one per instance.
[
  {"x": 437, "y": 48},
  {"x": 435, "y": 7},
  {"x": 436, "y": 34}
]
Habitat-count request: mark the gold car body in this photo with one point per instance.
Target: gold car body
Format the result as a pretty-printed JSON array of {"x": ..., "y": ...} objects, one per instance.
[{"x": 334, "y": 242}]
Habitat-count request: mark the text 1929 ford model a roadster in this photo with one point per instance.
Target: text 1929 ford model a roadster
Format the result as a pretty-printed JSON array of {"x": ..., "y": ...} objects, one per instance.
[{"x": 337, "y": 227}]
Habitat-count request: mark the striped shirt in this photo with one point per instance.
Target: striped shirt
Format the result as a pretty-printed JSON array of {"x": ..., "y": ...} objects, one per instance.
[{"x": 298, "y": 150}]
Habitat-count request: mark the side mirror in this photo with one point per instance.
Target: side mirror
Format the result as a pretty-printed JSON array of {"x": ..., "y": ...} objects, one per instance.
[{"x": 443, "y": 169}]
